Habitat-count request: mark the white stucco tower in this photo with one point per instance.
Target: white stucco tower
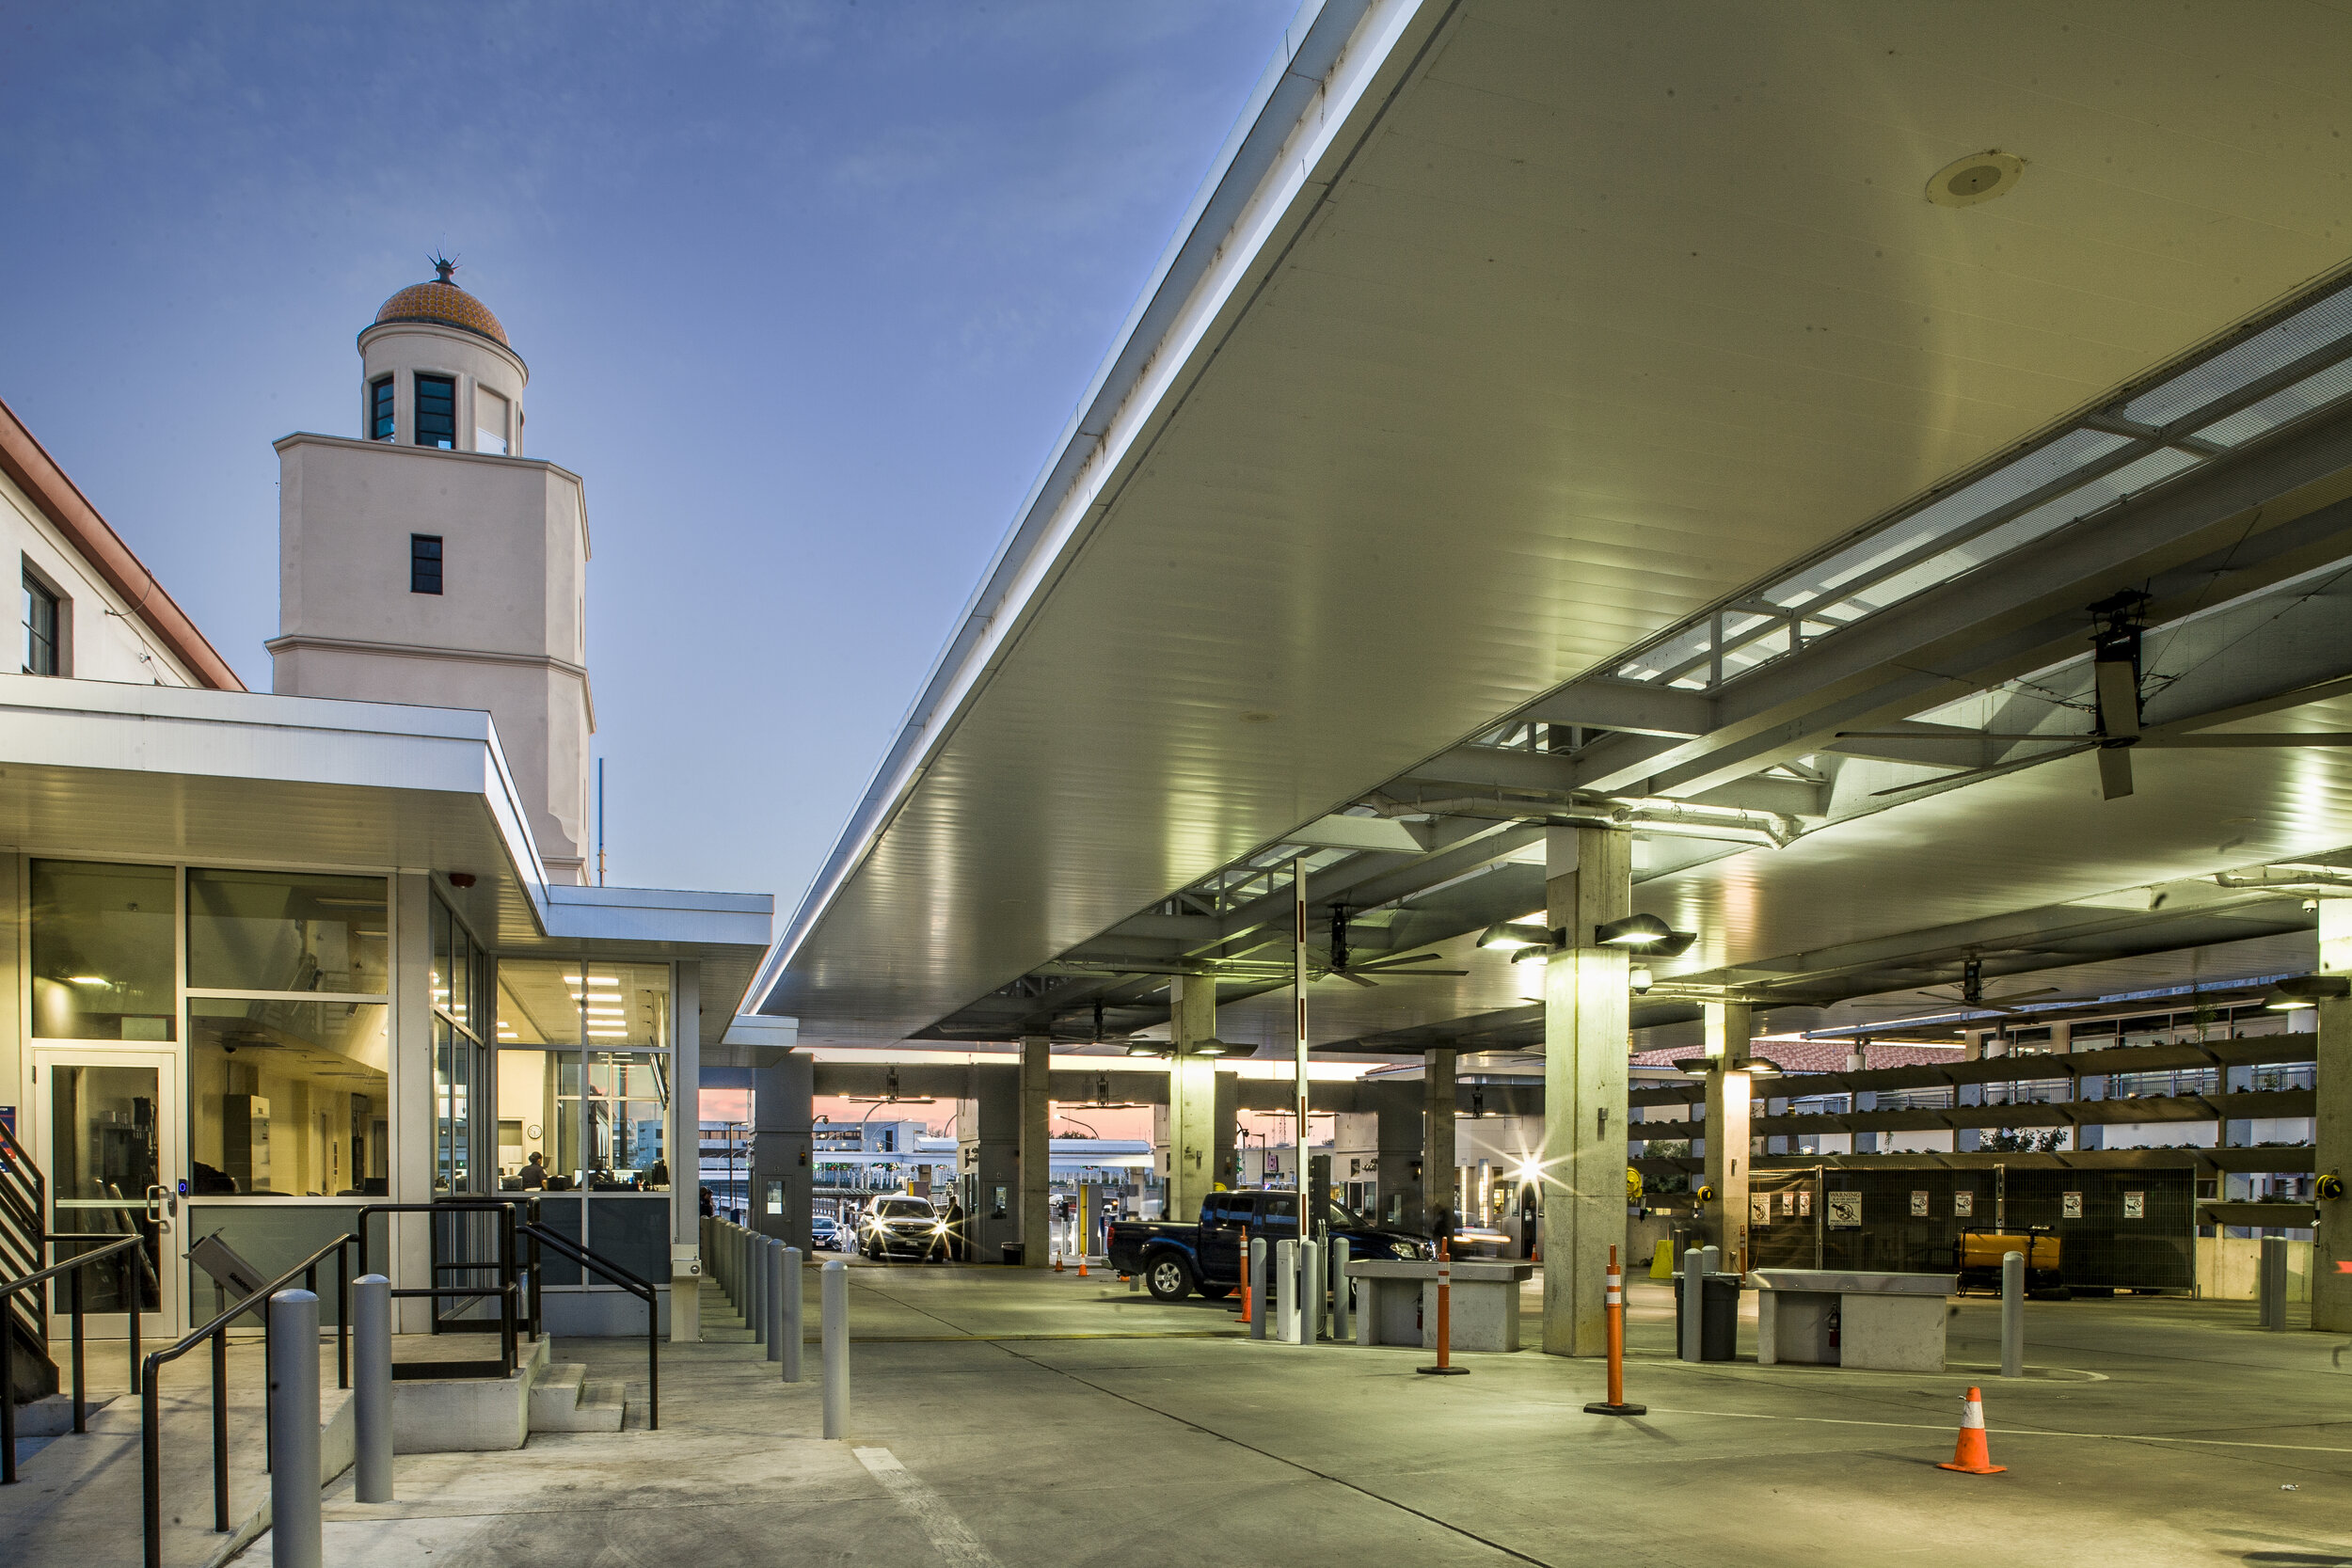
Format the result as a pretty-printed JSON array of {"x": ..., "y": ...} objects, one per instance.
[{"x": 429, "y": 561}]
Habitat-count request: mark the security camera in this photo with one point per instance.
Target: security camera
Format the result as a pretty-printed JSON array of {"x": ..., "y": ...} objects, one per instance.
[{"x": 1642, "y": 979}]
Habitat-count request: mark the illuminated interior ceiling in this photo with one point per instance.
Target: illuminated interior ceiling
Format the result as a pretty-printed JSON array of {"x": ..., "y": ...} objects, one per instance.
[{"x": 1604, "y": 423}]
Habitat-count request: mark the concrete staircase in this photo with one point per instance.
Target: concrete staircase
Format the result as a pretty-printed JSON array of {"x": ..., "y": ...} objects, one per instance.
[{"x": 566, "y": 1398}]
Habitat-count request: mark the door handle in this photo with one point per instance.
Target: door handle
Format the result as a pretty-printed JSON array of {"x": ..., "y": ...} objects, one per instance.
[{"x": 157, "y": 1202}]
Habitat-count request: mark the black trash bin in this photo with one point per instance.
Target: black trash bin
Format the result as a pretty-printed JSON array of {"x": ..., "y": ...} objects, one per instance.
[
  {"x": 1719, "y": 1321},
  {"x": 1012, "y": 1253}
]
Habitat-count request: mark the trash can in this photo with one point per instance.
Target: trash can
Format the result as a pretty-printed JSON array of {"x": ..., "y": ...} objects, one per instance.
[
  {"x": 1012, "y": 1253},
  {"x": 1719, "y": 1322}
]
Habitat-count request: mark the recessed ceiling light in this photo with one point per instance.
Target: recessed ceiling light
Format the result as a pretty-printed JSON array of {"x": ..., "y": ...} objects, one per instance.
[{"x": 1978, "y": 177}]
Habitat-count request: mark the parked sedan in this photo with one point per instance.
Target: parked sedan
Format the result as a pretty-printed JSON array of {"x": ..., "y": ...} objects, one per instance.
[{"x": 831, "y": 1235}]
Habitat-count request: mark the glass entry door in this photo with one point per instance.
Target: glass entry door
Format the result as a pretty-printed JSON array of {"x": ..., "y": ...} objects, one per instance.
[{"x": 108, "y": 1129}]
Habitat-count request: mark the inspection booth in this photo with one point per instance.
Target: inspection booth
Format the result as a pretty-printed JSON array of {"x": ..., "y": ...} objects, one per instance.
[
  {"x": 1852, "y": 1318},
  {"x": 1396, "y": 1302}
]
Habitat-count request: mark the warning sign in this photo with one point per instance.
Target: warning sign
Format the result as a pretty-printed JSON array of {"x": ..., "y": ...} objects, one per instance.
[
  {"x": 2070, "y": 1206},
  {"x": 1845, "y": 1211},
  {"x": 1918, "y": 1206},
  {"x": 2134, "y": 1206}
]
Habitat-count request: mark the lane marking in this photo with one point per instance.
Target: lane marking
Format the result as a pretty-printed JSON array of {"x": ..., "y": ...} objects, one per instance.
[
  {"x": 1997, "y": 1431},
  {"x": 947, "y": 1533}
]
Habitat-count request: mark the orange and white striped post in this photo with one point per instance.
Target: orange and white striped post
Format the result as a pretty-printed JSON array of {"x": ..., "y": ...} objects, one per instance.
[
  {"x": 1246, "y": 1306},
  {"x": 1614, "y": 1404},
  {"x": 1445, "y": 1367}
]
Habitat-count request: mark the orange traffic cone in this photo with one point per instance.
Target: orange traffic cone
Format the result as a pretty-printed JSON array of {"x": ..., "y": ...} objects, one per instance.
[
  {"x": 1058, "y": 1260},
  {"x": 1082, "y": 1265},
  {"x": 1970, "y": 1456}
]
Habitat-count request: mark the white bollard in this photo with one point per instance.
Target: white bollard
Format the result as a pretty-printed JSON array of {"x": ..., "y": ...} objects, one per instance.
[
  {"x": 1286, "y": 1303},
  {"x": 772, "y": 1296},
  {"x": 1258, "y": 1306},
  {"x": 756, "y": 1254},
  {"x": 1342, "y": 1325},
  {"x": 834, "y": 1330},
  {"x": 295, "y": 1522},
  {"x": 788, "y": 1278},
  {"x": 371, "y": 1388}
]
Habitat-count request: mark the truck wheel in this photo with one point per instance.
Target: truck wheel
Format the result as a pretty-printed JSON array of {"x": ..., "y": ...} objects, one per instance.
[
  {"x": 1216, "y": 1292},
  {"x": 1168, "y": 1278}
]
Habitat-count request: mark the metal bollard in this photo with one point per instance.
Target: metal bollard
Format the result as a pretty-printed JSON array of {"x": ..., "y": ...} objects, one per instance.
[
  {"x": 2270, "y": 1283},
  {"x": 761, "y": 1273},
  {"x": 295, "y": 1522},
  {"x": 371, "y": 1388},
  {"x": 772, "y": 1296},
  {"x": 1286, "y": 1301},
  {"x": 1258, "y": 1311},
  {"x": 789, "y": 1291},
  {"x": 1310, "y": 1291},
  {"x": 1341, "y": 1314},
  {"x": 2012, "y": 1314},
  {"x": 834, "y": 1330},
  {"x": 1693, "y": 1299}
]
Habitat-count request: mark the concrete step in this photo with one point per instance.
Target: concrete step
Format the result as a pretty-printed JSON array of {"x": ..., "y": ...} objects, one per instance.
[{"x": 565, "y": 1401}]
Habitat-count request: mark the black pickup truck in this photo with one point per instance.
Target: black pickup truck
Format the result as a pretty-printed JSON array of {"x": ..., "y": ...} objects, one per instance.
[{"x": 1176, "y": 1258}]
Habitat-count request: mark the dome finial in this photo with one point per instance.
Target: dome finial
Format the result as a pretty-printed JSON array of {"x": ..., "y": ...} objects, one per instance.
[{"x": 443, "y": 265}]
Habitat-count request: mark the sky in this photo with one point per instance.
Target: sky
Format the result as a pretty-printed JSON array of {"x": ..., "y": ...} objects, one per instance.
[{"x": 807, "y": 290}]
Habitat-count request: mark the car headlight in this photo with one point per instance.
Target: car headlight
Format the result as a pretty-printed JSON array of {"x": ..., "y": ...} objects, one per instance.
[{"x": 1403, "y": 1249}]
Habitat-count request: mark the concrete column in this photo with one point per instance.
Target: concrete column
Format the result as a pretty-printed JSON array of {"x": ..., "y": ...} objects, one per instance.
[
  {"x": 1399, "y": 1151},
  {"x": 1436, "y": 1137},
  {"x": 988, "y": 1129},
  {"x": 1226, "y": 1129},
  {"x": 1729, "y": 1028},
  {"x": 1589, "y": 881},
  {"x": 1191, "y": 1096},
  {"x": 1036, "y": 1152},
  {"x": 782, "y": 1146},
  {"x": 2331, "y": 1287}
]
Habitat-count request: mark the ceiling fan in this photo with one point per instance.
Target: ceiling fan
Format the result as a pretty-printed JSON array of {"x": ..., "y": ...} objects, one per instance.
[
  {"x": 1971, "y": 992},
  {"x": 2116, "y": 732},
  {"x": 1355, "y": 973}
]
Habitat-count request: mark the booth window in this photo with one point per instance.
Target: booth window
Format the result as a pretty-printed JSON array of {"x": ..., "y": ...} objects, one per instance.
[
  {"x": 584, "y": 1070},
  {"x": 288, "y": 1046},
  {"x": 437, "y": 412},
  {"x": 43, "y": 650},
  {"x": 380, "y": 409}
]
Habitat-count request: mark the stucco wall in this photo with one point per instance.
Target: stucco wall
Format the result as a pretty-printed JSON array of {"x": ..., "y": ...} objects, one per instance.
[{"x": 99, "y": 645}]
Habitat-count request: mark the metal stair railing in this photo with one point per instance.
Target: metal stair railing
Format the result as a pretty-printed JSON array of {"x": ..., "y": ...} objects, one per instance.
[
  {"x": 540, "y": 1235},
  {"x": 123, "y": 1250},
  {"x": 146, "y": 1383}
]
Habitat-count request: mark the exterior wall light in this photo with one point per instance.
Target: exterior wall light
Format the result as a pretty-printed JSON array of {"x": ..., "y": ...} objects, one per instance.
[
  {"x": 1518, "y": 934},
  {"x": 1215, "y": 1047},
  {"x": 1150, "y": 1047}
]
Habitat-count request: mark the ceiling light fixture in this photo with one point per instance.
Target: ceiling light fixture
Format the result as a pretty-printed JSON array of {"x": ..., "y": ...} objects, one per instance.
[
  {"x": 1647, "y": 934},
  {"x": 2298, "y": 992}
]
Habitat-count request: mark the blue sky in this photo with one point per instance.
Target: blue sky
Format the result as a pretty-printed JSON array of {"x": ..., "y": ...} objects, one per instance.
[{"x": 805, "y": 290}]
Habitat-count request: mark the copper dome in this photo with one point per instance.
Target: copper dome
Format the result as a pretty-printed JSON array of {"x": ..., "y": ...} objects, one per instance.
[{"x": 446, "y": 304}]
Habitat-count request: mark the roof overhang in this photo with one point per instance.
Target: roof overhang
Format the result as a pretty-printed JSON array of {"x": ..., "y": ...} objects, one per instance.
[{"x": 96, "y": 770}]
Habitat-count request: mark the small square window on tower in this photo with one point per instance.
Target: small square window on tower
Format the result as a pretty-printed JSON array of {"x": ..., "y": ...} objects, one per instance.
[
  {"x": 424, "y": 563},
  {"x": 437, "y": 412},
  {"x": 380, "y": 409}
]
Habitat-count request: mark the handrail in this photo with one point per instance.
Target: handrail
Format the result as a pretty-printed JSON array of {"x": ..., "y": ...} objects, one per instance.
[
  {"x": 506, "y": 1290},
  {"x": 628, "y": 1281},
  {"x": 72, "y": 1266},
  {"x": 151, "y": 1402}
]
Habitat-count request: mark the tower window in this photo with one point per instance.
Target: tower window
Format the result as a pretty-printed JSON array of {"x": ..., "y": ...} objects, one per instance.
[
  {"x": 380, "y": 409},
  {"x": 437, "y": 412},
  {"x": 424, "y": 563},
  {"x": 40, "y": 628}
]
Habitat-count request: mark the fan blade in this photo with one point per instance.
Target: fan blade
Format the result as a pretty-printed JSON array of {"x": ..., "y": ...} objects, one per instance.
[
  {"x": 2021, "y": 995},
  {"x": 1407, "y": 958},
  {"x": 1987, "y": 773},
  {"x": 2117, "y": 688},
  {"x": 2115, "y": 772},
  {"x": 1355, "y": 980},
  {"x": 2326, "y": 737}
]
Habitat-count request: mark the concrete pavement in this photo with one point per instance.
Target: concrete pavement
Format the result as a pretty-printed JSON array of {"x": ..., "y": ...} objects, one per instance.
[{"x": 1025, "y": 1419}]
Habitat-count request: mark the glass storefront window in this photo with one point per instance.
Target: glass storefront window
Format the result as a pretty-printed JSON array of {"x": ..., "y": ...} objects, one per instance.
[
  {"x": 102, "y": 952},
  {"x": 275, "y": 931},
  {"x": 287, "y": 1097},
  {"x": 624, "y": 1111},
  {"x": 463, "y": 1149}
]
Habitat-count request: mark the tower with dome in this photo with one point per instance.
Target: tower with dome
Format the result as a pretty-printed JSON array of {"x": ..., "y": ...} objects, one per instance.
[{"x": 430, "y": 560}]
